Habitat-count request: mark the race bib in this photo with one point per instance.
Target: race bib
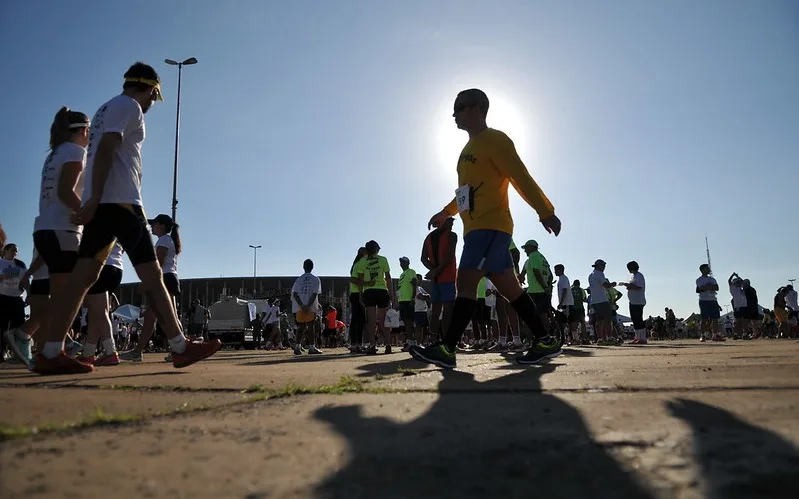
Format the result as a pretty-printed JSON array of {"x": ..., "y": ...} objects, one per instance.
[{"x": 463, "y": 196}]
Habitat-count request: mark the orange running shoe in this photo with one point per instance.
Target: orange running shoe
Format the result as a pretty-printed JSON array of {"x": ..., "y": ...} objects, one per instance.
[
  {"x": 195, "y": 352},
  {"x": 62, "y": 364}
]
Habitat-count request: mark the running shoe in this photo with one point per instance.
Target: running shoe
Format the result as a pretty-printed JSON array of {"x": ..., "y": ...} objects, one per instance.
[
  {"x": 314, "y": 351},
  {"x": 111, "y": 359},
  {"x": 718, "y": 337},
  {"x": 437, "y": 354},
  {"x": 195, "y": 352},
  {"x": 131, "y": 356},
  {"x": 21, "y": 348},
  {"x": 297, "y": 349},
  {"x": 499, "y": 348},
  {"x": 62, "y": 364},
  {"x": 72, "y": 348},
  {"x": 545, "y": 349}
]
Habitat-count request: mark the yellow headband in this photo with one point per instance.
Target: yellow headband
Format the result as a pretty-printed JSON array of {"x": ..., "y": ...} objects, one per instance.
[{"x": 153, "y": 83}]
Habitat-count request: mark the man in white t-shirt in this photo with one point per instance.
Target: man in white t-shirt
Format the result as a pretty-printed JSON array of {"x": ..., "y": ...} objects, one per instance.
[
  {"x": 603, "y": 311},
  {"x": 709, "y": 310},
  {"x": 421, "y": 309},
  {"x": 305, "y": 306},
  {"x": 739, "y": 303},
  {"x": 112, "y": 211},
  {"x": 563, "y": 288},
  {"x": 272, "y": 325}
]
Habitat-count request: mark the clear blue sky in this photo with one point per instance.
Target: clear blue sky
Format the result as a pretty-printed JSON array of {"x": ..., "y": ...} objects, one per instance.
[{"x": 310, "y": 127}]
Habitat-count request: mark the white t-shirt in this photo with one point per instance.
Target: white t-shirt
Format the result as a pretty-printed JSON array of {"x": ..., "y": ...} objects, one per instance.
[
  {"x": 706, "y": 295},
  {"x": 738, "y": 297},
  {"x": 595, "y": 281},
  {"x": 491, "y": 298},
  {"x": 791, "y": 300},
  {"x": 564, "y": 285},
  {"x": 392, "y": 319},
  {"x": 305, "y": 286},
  {"x": 42, "y": 272},
  {"x": 273, "y": 314},
  {"x": 121, "y": 115},
  {"x": 420, "y": 305},
  {"x": 115, "y": 257},
  {"x": 637, "y": 296},
  {"x": 171, "y": 261},
  {"x": 12, "y": 270},
  {"x": 53, "y": 213}
]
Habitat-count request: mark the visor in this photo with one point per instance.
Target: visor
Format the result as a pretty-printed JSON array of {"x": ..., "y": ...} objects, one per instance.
[{"x": 153, "y": 83}]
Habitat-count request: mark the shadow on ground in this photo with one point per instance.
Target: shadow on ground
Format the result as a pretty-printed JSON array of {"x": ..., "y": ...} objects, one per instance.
[
  {"x": 508, "y": 445},
  {"x": 738, "y": 460}
]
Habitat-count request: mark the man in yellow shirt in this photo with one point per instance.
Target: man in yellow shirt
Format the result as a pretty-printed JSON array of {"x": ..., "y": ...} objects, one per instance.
[{"x": 486, "y": 166}]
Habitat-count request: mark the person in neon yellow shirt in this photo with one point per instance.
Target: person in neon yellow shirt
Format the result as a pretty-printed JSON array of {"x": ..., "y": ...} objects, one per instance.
[
  {"x": 373, "y": 273},
  {"x": 487, "y": 165},
  {"x": 407, "y": 297}
]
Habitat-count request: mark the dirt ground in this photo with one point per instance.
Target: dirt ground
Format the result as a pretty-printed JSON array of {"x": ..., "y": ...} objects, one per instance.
[{"x": 670, "y": 419}]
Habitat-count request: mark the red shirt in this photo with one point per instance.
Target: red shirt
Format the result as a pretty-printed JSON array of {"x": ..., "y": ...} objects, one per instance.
[
  {"x": 331, "y": 319},
  {"x": 437, "y": 248}
]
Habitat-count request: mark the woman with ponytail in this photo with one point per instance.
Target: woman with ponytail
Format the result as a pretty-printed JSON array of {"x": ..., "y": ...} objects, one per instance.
[{"x": 167, "y": 249}]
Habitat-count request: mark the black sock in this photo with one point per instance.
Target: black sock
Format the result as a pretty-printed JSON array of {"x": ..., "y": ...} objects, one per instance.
[
  {"x": 528, "y": 313},
  {"x": 461, "y": 315}
]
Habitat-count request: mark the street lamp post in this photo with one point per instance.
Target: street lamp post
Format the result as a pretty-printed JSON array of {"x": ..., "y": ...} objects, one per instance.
[
  {"x": 254, "y": 265},
  {"x": 187, "y": 62}
]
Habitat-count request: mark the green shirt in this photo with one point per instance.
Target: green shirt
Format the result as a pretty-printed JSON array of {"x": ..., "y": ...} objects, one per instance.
[
  {"x": 354, "y": 274},
  {"x": 373, "y": 268},
  {"x": 512, "y": 245},
  {"x": 536, "y": 260},
  {"x": 406, "y": 287},
  {"x": 481, "y": 288}
]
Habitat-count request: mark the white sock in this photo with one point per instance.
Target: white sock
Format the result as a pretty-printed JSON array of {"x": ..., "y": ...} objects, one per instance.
[
  {"x": 109, "y": 346},
  {"x": 178, "y": 343},
  {"x": 52, "y": 349},
  {"x": 89, "y": 349}
]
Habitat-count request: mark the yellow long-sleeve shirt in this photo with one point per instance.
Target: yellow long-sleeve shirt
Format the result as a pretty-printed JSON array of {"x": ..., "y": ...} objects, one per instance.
[{"x": 487, "y": 164}]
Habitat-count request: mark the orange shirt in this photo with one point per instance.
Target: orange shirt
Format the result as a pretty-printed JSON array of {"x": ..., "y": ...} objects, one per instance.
[{"x": 331, "y": 319}]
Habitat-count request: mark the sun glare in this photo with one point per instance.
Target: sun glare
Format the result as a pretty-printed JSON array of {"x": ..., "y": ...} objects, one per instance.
[{"x": 502, "y": 115}]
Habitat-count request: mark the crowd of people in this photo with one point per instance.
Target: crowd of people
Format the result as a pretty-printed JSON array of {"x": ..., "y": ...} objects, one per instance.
[{"x": 90, "y": 214}]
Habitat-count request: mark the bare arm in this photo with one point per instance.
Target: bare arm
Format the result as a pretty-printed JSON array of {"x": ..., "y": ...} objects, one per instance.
[
  {"x": 161, "y": 253},
  {"x": 70, "y": 173}
]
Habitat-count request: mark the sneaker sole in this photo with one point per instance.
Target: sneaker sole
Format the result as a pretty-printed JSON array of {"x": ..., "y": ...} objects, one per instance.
[
  {"x": 11, "y": 341},
  {"x": 422, "y": 358},
  {"x": 540, "y": 359}
]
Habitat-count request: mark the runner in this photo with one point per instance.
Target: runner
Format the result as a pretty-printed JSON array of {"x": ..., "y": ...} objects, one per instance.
[
  {"x": 98, "y": 303},
  {"x": 358, "y": 313},
  {"x": 38, "y": 291},
  {"x": 577, "y": 317},
  {"x": 741, "y": 324},
  {"x": 272, "y": 326},
  {"x": 781, "y": 312},
  {"x": 305, "y": 306},
  {"x": 421, "y": 310},
  {"x": 792, "y": 301},
  {"x": 376, "y": 297},
  {"x": 566, "y": 302},
  {"x": 540, "y": 286},
  {"x": 407, "y": 295},
  {"x": 12, "y": 307},
  {"x": 438, "y": 255},
  {"x": 636, "y": 287},
  {"x": 112, "y": 209},
  {"x": 507, "y": 318},
  {"x": 709, "y": 310},
  {"x": 598, "y": 285},
  {"x": 486, "y": 166}
]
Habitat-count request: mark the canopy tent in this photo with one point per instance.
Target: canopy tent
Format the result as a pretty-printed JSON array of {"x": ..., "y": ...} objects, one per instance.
[{"x": 127, "y": 313}]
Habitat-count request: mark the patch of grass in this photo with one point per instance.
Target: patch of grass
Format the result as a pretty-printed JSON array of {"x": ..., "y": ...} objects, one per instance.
[
  {"x": 408, "y": 372},
  {"x": 379, "y": 377},
  {"x": 255, "y": 388}
]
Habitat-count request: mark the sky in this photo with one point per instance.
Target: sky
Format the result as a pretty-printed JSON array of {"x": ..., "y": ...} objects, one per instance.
[{"x": 311, "y": 127}]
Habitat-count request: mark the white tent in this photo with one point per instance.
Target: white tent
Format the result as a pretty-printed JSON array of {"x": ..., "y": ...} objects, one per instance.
[{"x": 127, "y": 313}]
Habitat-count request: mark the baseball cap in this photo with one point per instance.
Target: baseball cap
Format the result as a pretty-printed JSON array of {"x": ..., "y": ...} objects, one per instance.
[
  {"x": 599, "y": 262},
  {"x": 162, "y": 219},
  {"x": 405, "y": 259},
  {"x": 531, "y": 243}
]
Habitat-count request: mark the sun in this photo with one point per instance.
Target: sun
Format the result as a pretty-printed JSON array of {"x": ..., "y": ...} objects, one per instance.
[{"x": 502, "y": 115}]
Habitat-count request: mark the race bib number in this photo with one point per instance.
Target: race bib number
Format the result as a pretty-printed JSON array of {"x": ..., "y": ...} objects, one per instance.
[{"x": 463, "y": 196}]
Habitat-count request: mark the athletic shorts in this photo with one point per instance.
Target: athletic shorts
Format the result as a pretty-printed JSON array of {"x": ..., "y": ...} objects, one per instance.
[
  {"x": 304, "y": 317},
  {"x": 40, "y": 287},
  {"x": 421, "y": 319},
  {"x": 125, "y": 223},
  {"x": 543, "y": 302},
  {"x": 602, "y": 311},
  {"x": 577, "y": 314},
  {"x": 442, "y": 292},
  {"x": 751, "y": 313},
  {"x": 406, "y": 311},
  {"x": 781, "y": 315},
  {"x": 486, "y": 250},
  {"x": 108, "y": 282},
  {"x": 709, "y": 309},
  {"x": 58, "y": 249},
  {"x": 172, "y": 284},
  {"x": 376, "y": 298}
]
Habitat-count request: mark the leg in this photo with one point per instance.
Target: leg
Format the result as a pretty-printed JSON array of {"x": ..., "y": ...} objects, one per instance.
[{"x": 435, "y": 319}]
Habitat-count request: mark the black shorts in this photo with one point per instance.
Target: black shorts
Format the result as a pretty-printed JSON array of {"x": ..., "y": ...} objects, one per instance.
[
  {"x": 543, "y": 302},
  {"x": 58, "y": 249},
  {"x": 751, "y": 313},
  {"x": 576, "y": 314},
  {"x": 376, "y": 298},
  {"x": 12, "y": 312},
  {"x": 112, "y": 222},
  {"x": 108, "y": 282},
  {"x": 406, "y": 311},
  {"x": 172, "y": 284},
  {"x": 40, "y": 287},
  {"x": 421, "y": 319}
]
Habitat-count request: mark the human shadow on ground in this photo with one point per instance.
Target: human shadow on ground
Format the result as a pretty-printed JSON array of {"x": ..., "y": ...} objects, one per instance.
[
  {"x": 476, "y": 445},
  {"x": 37, "y": 380},
  {"x": 738, "y": 460}
]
